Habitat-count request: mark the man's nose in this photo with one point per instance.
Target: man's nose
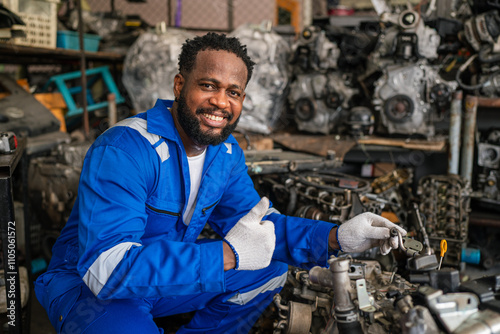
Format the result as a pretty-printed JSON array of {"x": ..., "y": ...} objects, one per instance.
[{"x": 220, "y": 100}]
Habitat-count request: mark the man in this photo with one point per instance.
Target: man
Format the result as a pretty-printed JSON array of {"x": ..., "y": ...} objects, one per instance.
[{"x": 130, "y": 251}]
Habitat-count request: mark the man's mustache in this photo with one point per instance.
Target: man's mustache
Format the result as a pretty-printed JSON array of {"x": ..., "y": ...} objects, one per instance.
[{"x": 213, "y": 110}]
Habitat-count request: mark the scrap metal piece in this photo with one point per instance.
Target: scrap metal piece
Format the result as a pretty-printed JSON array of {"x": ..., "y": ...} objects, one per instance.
[
  {"x": 410, "y": 246},
  {"x": 487, "y": 322},
  {"x": 365, "y": 303},
  {"x": 452, "y": 309},
  {"x": 418, "y": 320},
  {"x": 413, "y": 247},
  {"x": 300, "y": 318},
  {"x": 297, "y": 317}
]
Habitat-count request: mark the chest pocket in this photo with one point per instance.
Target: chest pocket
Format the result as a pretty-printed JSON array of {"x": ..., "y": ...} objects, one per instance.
[{"x": 162, "y": 219}]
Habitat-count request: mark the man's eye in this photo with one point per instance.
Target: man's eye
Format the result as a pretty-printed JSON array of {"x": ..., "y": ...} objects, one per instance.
[{"x": 235, "y": 93}]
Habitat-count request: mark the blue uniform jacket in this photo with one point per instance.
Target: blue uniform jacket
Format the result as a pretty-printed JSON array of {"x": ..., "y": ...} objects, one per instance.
[{"x": 126, "y": 238}]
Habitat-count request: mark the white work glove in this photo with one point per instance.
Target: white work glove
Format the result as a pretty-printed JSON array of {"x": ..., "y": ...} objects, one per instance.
[
  {"x": 365, "y": 231},
  {"x": 253, "y": 239}
]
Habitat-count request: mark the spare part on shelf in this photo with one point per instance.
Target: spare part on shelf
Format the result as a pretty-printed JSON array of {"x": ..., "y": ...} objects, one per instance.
[
  {"x": 319, "y": 101},
  {"x": 265, "y": 99},
  {"x": 404, "y": 100}
]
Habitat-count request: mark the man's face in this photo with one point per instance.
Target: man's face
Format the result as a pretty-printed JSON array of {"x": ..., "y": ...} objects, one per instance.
[{"x": 210, "y": 98}]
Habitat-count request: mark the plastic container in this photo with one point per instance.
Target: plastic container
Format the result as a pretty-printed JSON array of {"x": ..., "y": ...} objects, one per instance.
[
  {"x": 67, "y": 39},
  {"x": 471, "y": 255},
  {"x": 41, "y": 23}
]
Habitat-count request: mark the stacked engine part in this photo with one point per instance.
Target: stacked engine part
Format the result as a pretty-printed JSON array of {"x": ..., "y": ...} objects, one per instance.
[
  {"x": 355, "y": 296},
  {"x": 488, "y": 159},
  {"x": 393, "y": 189},
  {"x": 410, "y": 95},
  {"x": 445, "y": 207},
  {"x": 319, "y": 101},
  {"x": 265, "y": 94},
  {"x": 319, "y": 94},
  {"x": 408, "y": 98},
  {"x": 481, "y": 32},
  {"x": 53, "y": 188},
  {"x": 150, "y": 65}
]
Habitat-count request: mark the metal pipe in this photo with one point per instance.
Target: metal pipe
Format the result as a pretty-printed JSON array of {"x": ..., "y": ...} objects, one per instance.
[
  {"x": 112, "y": 113},
  {"x": 345, "y": 311},
  {"x": 342, "y": 285},
  {"x": 83, "y": 72},
  {"x": 454, "y": 134},
  {"x": 467, "y": 155},
  {"x": 428, "y": 249},
  {"x": 321, "y": 276}
]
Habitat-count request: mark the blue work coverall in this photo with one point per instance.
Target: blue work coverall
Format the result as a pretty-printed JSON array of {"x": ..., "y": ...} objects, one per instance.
[{"x": 126, "y": 256}]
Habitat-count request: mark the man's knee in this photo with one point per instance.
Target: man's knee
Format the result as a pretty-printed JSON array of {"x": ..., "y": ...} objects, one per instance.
[{"x": 90, "y": 315}]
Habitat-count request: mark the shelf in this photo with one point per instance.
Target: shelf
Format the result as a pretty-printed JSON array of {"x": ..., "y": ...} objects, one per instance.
[{"x": 17, "y": 54}]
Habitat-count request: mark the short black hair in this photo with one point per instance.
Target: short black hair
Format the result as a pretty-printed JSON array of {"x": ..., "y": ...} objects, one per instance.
[{"x": 216, "y": 42}]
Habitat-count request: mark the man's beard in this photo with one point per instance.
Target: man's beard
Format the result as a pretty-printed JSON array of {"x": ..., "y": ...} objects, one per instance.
[{"x": 192, "y": 127}]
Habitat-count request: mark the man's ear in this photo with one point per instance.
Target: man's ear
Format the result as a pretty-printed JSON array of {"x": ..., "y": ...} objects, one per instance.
[{"x": 178, "y": 84}]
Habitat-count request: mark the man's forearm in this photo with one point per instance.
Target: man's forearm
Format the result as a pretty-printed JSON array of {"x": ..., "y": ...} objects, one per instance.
[
  {"x": 229, "y": 257},
  {"x": 333, "y": 243}
]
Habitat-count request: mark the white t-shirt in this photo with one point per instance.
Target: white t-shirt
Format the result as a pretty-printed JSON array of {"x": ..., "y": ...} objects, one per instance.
[{"x": 195, "y": 170}]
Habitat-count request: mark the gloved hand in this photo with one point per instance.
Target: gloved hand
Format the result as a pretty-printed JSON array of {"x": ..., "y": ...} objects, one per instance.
[
  {"x": 252, "y": 239},
  {"x": 367, "y": 230}
]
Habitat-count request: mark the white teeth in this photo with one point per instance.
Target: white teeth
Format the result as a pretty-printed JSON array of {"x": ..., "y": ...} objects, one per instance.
[{"x": 213, "y": 117}]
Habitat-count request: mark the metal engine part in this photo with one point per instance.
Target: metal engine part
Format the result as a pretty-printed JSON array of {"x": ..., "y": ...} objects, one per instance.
[
  {"x": 487, "y": 181},
  {"x": 491, "y": 84},
  {"x": 265, "y": 94},
  {"x": 327, "y": 196},
  {"x": 318, "y": 100},
  {"x": 483, "y": 29},
  {"x": 351, "y": 296},
  {"x": 313, "y": 51},
  {"x": 410, "y": 37},
  {"x": 488, "y": 184},
  {"x": 459, "y": 312},
  {"x": 150, "y": 64},
  {"x": 488, "y": 155},
  {"x": 357, "y": 296},
  {"x": 53, "y": 183},
  {"x": 392, "y": 189},
  {"x": 298, "y": 318},
  {"x": 403, "y": 98},
  {"x": 445, "y": 204},
  {"x": 361, "y": 121},
  {"x": 318, "y": 94}
]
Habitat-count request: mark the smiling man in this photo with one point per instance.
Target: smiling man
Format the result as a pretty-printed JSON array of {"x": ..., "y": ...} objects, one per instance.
[{"x": 130, "y": 251}]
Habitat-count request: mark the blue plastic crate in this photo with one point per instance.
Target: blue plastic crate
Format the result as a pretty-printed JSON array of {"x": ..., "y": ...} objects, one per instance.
[{"x": 67, "y": 39}]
